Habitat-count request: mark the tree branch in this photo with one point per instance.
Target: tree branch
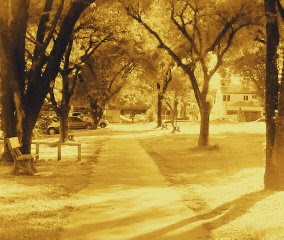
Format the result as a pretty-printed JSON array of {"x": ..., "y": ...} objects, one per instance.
[
  {"x": 116, "y": 75},
  {"x": 280, "y": 9},
  {"x": 30, "y": 56},
  {"x": 67, "y": 57},
  {"x": 229, "y": 42},
  {"x": 167, "y": 80},
  {"x": 218, "y": 38},
  {"x": 131, "y": 12},
  {"x": 74, "y": 82},
  {"x": 54, "y": 102},
  {"x": 42, "y": 28},
  {"x": 39, "y": 62},
  {"x": 88, "y": 53},
  {"x": 182, "y": 29},
  {"x": 62, "y": 40},
  {"x": 169, "y": 105}
]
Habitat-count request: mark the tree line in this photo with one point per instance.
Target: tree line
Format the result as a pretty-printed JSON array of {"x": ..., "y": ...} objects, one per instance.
[{"x": 76, "y": 42}]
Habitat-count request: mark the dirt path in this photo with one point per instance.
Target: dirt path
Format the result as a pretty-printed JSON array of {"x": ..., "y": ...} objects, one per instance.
[{"x": 129, "y": 199}]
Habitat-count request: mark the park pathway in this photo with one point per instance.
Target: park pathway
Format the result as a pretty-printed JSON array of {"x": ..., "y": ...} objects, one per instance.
[{"x": 129, "y": 199}]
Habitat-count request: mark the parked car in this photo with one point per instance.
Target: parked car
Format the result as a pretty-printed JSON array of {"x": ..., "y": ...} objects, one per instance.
[
  {"x": 125, "y": 119},
  {"x": 139, "y": 118},
  {"x": 75, "y": 123},
  {"x": 103, "y": 123}
]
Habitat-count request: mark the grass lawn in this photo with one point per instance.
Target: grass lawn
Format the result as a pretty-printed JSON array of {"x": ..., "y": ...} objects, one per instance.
[
  {"x": 224, "y": 186},
  {"x": 36, "y": 208}
]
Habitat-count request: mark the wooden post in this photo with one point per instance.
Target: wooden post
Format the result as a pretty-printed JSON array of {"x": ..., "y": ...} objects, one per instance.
[
  {"x": 37, "y": 151},
  {"x": 59, "y": 152},
  {"x": 79, "y": 152}
]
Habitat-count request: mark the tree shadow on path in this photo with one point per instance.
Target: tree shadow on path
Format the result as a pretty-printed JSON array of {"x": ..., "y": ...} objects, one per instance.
[{"x": 209, "y": 221}]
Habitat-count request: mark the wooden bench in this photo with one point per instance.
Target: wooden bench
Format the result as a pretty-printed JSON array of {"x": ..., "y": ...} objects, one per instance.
[
  {"x": 176, "y": 128},
  {"x": 24, "y": 162},
  {"x": 59, "y": 147},
  {"x": 164, "y": 126}
]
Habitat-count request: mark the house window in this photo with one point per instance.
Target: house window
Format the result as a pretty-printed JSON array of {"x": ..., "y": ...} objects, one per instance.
[
  {"x": 254, "y": 97},
  {"x": 226, "y": 98},
  {"x": 246, "y": 98}
]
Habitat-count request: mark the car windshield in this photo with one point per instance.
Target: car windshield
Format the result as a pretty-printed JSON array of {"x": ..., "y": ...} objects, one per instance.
[{"x": 74, "y": 119}]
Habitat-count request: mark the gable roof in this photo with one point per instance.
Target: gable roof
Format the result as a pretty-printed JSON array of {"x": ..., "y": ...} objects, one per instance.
[{"x": 237, "y": 89}]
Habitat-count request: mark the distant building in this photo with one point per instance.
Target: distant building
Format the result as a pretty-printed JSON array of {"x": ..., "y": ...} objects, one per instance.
[
  {"x": 113, "y": 111},
  {"x": 112, "y": 115},
  {"x": 237, "y": 103}
]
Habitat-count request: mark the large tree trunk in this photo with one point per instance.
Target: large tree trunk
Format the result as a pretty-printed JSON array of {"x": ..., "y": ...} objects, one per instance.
[
  {"x": 65, "y": 106},
  {"x": 13, "y": 24},
  {"x": 271, "y": 93},
  {"x": 204, "y": 124},
  {"x": 159, "y": 110},
  {"x": 97, "y": 113},
  {"x": 28, "y": 126},
  {"x": 62, "y": 112},
  {"x": 8, "y": 118},
  {"x": 276, "y": 177},
  {"x": 174, "y": 117},
  {"x": 276, "y": 180},
  {"x": 63, "y": 128}
]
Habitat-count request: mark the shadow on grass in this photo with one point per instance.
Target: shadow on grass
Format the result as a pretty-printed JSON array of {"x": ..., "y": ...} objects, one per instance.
[
  {"x": 209, "y": 221},
  {"x": 178, "y": 154}
]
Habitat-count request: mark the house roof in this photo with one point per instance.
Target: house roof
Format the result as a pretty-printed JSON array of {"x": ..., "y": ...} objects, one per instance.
[
  {"x": 245, "y": 104},
  {"x": 237, "y": 89}
]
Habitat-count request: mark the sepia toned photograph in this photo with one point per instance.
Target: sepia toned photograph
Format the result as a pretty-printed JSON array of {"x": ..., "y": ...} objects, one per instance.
[{"x": 141, "y": 120}]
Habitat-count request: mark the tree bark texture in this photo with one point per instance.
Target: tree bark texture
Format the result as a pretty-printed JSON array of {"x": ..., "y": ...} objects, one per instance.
[
  {"x": 13, "y": 25},
  {"x": 8, "y": 117},
  {"x": 276, "y": 177},
  {"x": 64, "y": 108},
  {"x": 97, "y": 113},
  {"x": 174, "y": 117},
  {"x": 204, "y": 124},
  {"x": 63, "y": 128},
  {"x": 159, "y": 110},
  {"x": 63, "y": 118},
  {"x": 271, "y": 85}
]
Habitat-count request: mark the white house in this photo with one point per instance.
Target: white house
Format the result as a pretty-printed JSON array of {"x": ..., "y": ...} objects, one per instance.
[{"x": 237, "y": 103}]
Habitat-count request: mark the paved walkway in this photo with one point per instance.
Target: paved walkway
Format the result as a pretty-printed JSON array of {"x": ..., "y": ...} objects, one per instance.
[{"x": 129, "y": 199}]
